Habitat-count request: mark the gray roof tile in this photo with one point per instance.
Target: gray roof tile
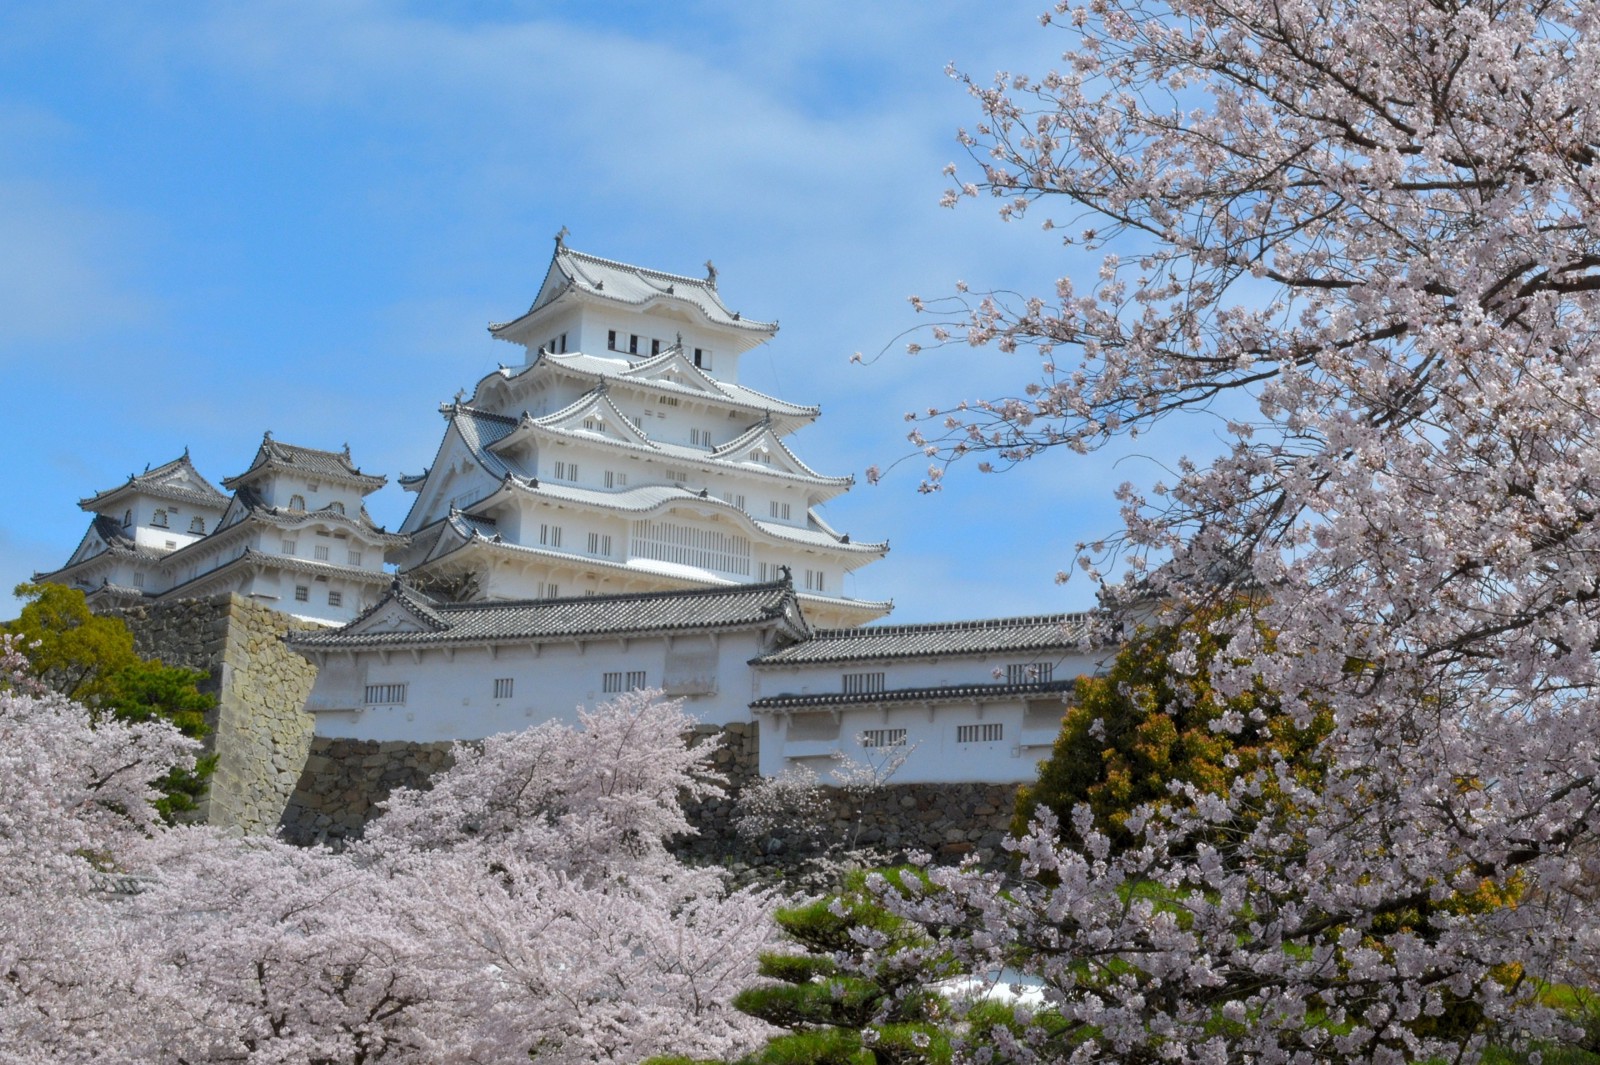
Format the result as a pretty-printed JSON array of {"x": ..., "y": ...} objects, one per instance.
[
  {"x": 177, "y": 480},
  {"x": 308, "y": 461},
  {"x": 939, "y": 693},
  {"x": 1048, "y": 632},
  {"x": 589, "y": 616}
]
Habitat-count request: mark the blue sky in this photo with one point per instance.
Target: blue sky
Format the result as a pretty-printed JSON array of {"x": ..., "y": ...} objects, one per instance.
[{"x": 299, "y": 216}]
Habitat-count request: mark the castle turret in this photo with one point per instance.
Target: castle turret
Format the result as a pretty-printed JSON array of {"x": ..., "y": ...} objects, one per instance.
[{"x": 623, "y": 456}]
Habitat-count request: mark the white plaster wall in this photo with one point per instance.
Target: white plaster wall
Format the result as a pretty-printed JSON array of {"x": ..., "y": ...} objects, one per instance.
[
  {"x": 932, "y": 751},
  {"x": 453, "y": 698}
]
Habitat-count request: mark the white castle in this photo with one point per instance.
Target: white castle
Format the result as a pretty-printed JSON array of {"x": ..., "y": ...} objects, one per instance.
[{"x": 616, "y": 512}]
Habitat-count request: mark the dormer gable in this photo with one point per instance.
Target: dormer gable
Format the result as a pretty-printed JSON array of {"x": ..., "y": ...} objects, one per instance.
[
  {"x": 597, "y": 416},
  {"x": 761, "y": 447},
  {"x": 400, "y": 610},
  {"x": 674, "y": 368}
]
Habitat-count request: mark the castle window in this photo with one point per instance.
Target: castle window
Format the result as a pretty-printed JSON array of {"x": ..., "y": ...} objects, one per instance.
[
  {"x": 814, "y": 580},
  {"x": 655, "y": 347},
  {"x": 563, "y": 343},
  {"x": 567, "y": 471},
  {"x": 287, "y": 546},
  {"x": 1029, "y": 673},
  {"x": 302, "y": 593},
  {"x": 616, "y": 479},
  {"x": 336, "y": 506},
  {"x": 353, "y": 557},
  {"x": 702, "y": 358},
  {"x": 611, "y": 339},
  {"x": 160, "y": 519},
  {"x": 779, "y": 510},
  {"x": 138, "y": 579},
  {"x": 862, "y": 683},
  {"x": 633, "y": 344},
  {"x": 320, "y": 552},
  {"x": 883, "y": 737},
  {"x": 502, "y": 687},
  {"x": 979, "y": 733},
  {"x": 631, "y": 681},
  {"x": 549, "y": 591},
  {"x": 336, "y": 599},
  {"x": 386, "y": 694},
  {"x": 600, "y": 544},
  {"x": 549, "y": 536},
  {"x": 297, "y": 502},
  {"x": 127, "y": 518}
]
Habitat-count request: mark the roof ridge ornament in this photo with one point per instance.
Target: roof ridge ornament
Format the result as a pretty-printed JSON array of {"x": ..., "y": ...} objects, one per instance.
[
  {"x": 711, "y": 273},
  {"x": 561, "y": 236}
]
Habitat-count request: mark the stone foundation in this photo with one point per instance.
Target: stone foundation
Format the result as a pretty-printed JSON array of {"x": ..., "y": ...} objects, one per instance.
[
  {"x": 259, "y": 732},
  {"x": 345, "y": 780}
]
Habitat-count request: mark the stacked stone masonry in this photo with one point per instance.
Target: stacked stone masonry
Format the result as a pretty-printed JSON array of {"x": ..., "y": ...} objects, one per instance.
[
  {"x": 345, "y": 781},
  {"x": 259, "y": 731}
]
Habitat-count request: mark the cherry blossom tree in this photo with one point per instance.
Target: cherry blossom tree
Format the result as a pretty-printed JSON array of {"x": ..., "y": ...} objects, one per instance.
[
  {"x": 525, "y": 908},
  {"x": 1359, "y": 236}
]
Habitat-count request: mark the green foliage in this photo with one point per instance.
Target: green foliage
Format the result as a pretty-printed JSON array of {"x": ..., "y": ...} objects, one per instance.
[
  {"x": 876, "y": 1012},
  {"x": 1142, "y": 726},
  {"x": 71, "y": 649},
  {"x": 91, "y": 659}
]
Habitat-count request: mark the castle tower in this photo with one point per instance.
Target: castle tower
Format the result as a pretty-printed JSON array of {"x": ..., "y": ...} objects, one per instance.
[{"x": 623, "y": 456}]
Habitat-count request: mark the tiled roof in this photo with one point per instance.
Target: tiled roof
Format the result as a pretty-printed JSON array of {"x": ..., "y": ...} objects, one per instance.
[
  {"x": 636, "y": 286},
  {"x": 940, "y": 693},
  {"x": 719, "y": 459},
  {"x": 623, "y": 371},
  {"x": 590, "y": 616},
  {"x": 259, "y": 560},
  {"x": 647, "y": 497},
  {"x": 1049, "y": 632},
  {"x": 177, "y": 480},
  {"x": 308, "y": 461},
  {"x": 253, "y": 508}
]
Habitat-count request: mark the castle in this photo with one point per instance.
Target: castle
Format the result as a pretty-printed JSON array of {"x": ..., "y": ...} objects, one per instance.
[{"x": 615, "y": 512}]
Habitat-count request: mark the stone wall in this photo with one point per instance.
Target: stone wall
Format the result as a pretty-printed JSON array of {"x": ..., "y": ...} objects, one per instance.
[
  {"x": 259, "y": 731},
  {"x": 345, "y": 779}
]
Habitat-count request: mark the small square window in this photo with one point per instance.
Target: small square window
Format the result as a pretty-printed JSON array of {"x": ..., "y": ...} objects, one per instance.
[
  {"x": 336, "y": 599},
  {"x": 302, "y": 593},
  {"x": 320, "y": 552},
  {"x": 287, "y": 546},
  {"x": 503, "y": 687}
]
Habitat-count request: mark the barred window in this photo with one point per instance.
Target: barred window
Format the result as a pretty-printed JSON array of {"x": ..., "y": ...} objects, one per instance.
[
  {"x": 160, "y": 519},
  {"x": 386, "y": 694},
  {"x": 336, "y": 599},
  {"x": 600, "y": 544},
  {"x": 503, "y": 686},
  {"x": 297, "y": 502},
  {"x": 862, "y": 683},
  {"x": 302, "y": 593},
  {"x": 979, "y": 733},
  {"x": 1029, "y": 672},
  {"x": 631, "y": 681},
  {"x": 197, "y": 524},
  {"x": 320, "y": 551},
  {"x": 883, "y": 737}
]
